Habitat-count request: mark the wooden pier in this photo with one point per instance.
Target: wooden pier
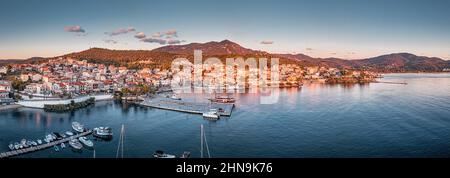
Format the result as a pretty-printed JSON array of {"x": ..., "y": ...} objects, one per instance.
[
  {"x": 188, "y": 107},
  {"x": 42, "y": 146}
]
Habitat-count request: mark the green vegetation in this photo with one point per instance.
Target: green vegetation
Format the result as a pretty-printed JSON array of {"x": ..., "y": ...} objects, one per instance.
[{"x": 69, "y": 107}]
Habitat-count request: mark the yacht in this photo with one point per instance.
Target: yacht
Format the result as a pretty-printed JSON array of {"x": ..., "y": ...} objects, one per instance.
[
  {"x": 34, "y": 143},
  {"x": 77, "y": 127},
  {"x": 74, "y": 143},
  {"x": 211, "y": 115},
  {"x": 69, "y": 133},
  {"x": 39, "y": 142},
  {"x": 86, "y": 142},
  {"x": 161, "y": 154},
  {"x": 23, "y": 143},
  {"x": 103, "y": 132}
]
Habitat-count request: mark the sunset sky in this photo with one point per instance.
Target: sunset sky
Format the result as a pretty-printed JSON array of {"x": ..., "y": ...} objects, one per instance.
[{"x": 330, "y": 28}]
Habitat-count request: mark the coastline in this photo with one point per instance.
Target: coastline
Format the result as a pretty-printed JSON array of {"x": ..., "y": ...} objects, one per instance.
[{"x": 11, "y": 106}]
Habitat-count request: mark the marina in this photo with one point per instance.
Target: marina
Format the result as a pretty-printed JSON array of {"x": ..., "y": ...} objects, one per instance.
[{"x": 43, "y": 146}]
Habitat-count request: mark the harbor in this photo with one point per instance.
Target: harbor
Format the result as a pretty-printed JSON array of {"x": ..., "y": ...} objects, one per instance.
[
  {"x": 224, "y": 109},
  {"x": 43, "y": 146}
]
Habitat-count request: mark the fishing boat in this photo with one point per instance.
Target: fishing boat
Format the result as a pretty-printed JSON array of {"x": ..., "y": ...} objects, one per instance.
[
  {"x": 74, "y": 143},
  {"x": 77, "y": 127},
  {"x": 69, "y": 133},
  {"x": 86, "y": 142},
  {"x": 39, "y": 142},
  {"x": 103, "y": 132},
  {"x": 186, "y": 154},
  {"x": 11, "y": 146},
  {"x": 211, "y": 115},
  {"x": 56, "y": 148},
  {"x": 161, "y": 154}
]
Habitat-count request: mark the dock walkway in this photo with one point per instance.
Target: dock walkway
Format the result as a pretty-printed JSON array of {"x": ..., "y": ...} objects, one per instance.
[
  {"x": 187, "y": 106},
  {"x": 42, "y": 146}
]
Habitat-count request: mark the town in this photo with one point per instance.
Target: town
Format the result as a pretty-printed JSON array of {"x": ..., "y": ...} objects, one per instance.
[{"x": 68, "y": 78}]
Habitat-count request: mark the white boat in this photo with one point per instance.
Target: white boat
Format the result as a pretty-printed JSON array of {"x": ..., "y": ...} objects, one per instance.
[
  {"x": 39, "y": 142},
  {"x": 175, "y": 97},
  {"x": 186, "y": 154},
  {"x": 23, "y": 143},
  {"x": 74, "y": 143},
  {"x": 69, "y": 133},
  {"x": 77, "y": 127},
  {"x": 86, "y": 142},
  {"x": 161, "y": 154},
  {"x": 63, "y": 145},
  {"x": 11, "y": 146},
  {"x": 34, "y": 143},
  {"x": 212, "y": 114},
  {"x": 103, "y": 132},
  {"x": 16, "y": 146}
]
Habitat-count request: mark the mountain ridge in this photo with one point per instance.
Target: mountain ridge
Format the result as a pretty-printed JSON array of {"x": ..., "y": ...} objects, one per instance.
[{"x": 395, "y": 62}]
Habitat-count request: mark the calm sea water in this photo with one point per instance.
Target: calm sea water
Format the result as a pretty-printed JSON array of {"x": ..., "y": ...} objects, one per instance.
[{"x": 318, "y": 120}]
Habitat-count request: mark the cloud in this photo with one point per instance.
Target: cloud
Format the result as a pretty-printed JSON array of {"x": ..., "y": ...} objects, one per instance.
[
  {"x": 158, "y": 35},
  {"x": 121, "y": 31},
  {"x": 266, "y": 42},
  {"x": 154, "y": 40},
  {"x": 140, "y": 35},
  {"x": 171, "y": 33},
  {"x": 75, "y": 29},
  {"x": 110, "y": 41},
  {"x": 175, "y": 41}
]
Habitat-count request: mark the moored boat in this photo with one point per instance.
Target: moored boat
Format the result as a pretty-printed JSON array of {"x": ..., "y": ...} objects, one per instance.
[
  {"x": 69, "y": 133},
  {"x": 186, "y": 154},
  {"x": 63, "y": 145},
  {"x": 161, "y": 154},
  {"x": 39, "y": 141},
  {"x": 11, "y": 146},
  {"x": 74, "y": 143},
  {"x": 77, "y": 127},
  {"x": 103, "y": 132},
  {"x": 211, "y": 115},
  {"x": 86, "y": 142}
]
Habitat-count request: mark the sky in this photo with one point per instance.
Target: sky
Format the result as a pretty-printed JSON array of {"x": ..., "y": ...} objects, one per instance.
[{"x": 347, "y": 29}]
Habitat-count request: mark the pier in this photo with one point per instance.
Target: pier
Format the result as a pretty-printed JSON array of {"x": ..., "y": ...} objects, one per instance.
[
  {"x": 42, "y": 146},
  {"x": 400, "y": 83},
  {"x": 224, "y": 109}
]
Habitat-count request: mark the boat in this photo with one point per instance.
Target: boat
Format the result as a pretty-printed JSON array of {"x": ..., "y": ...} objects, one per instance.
[
  {"x": 186, "y": 154},
  {"x": 63, "y": 135},
  {"x": 223, "y": 99},
  {"x": 174, "y": 97},
  {"x": 86, "y": 142},
  {"x": 63, "y": 145},
  {"x": 56, "y": 148},
  {"x": 211, "y": 115},
  {"x": 77, "y": 127},
  {"x": 69, "y": 133},
  {"x": 39, "y": 142},
  {"x": 74, "y": 143},
  {"x": 29, "y": 143},
  {"x": 16, "y": 146},
  {"x": 23, "y": 143},
  {"x": 34, "y": 143},
  {"x": 11, "y": 146},
  {"x": 103, "y": 132},
  {"x": 57, "y": 135},
  {"x": 161, "y": 154}
]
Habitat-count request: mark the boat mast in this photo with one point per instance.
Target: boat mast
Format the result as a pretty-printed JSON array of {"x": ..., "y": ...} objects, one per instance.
[
  {"x": 201, "y": 141},
  {"x": 120, "y": 145}
]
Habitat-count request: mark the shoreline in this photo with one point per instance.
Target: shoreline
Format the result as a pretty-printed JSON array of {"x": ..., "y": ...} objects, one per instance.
[{"x": 11, "y": 106}]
